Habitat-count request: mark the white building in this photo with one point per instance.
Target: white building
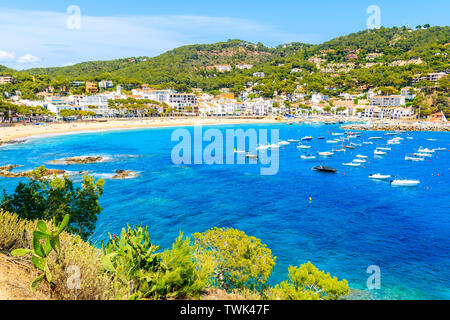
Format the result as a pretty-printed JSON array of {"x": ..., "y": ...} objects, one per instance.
[
  {"x": 407, "y": 93},
  {"x": 387, "y": 101},
  {"x": 106, "y": 84},
  {"x": 97, "y": 104},
  {"x": 259, "y": 74},
  {"x": 433, "y": 77}
]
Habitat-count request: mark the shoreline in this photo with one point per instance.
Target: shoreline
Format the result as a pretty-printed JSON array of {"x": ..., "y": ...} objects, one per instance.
[
  {"x": 20, "y": 132},
  {"x": 17, "y": 133}
]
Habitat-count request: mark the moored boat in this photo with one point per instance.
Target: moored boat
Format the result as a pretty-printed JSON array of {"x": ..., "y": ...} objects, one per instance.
[
  {"x": 379, "y": 176},
  {"x": 405, "y": 183},
  {"x": 324, "y": 169}
]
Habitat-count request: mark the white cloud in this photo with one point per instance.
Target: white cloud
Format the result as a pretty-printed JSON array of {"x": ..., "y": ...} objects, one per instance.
[
  {"x": 7, "y": 56},
  {"x": 28, "y": 58}
]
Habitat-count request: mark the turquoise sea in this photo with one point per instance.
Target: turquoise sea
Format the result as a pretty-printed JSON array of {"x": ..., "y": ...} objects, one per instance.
[{"x": 351, "y": 223}]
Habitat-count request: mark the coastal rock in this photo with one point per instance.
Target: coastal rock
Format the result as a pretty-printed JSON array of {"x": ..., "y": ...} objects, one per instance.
[
  {"x": 29, "y": 174},
  {"x": 80, "y": 160},
  {"x": 12, "y": 142},
  {"x": 9, "y": 167},
  {"x": 125, "y": 174}
]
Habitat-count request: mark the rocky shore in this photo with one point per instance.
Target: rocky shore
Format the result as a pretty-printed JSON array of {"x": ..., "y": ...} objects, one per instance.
[
  {"x": 5, "y": 171},
  {"x": 398, "y": 127},
  {"x": 79, "y": 160},
  {"x": 125, "y": 174}
]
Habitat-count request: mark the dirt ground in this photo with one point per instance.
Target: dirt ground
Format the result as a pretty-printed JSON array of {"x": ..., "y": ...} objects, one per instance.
[{"x": 15, "y": 279}]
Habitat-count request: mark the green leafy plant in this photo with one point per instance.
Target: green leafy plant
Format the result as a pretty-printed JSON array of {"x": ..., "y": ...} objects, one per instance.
[
  {"x": 44, "y": 242},
  {"x": 152, "y": 274},
  {"x": 309, "y": 283},
  {"x": 241, "y": 261}
]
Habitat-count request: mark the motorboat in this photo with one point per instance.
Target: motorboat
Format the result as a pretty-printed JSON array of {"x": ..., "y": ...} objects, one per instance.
[
  {"x": 251, "y": 156},
  {"x": 367, "y": 142},
  {"x": 308, "y": 157},
  {"x": 293, "y": 140},
  {"x": 431, "y": 139},
  {"x": 362, "y": 157},
  {"x": 440, "y": 149},
  {"x": 350, "y": 147},
  {"x": 321, "y": 138},
  {"x": 337, "y": 134},
  {"x": 384, "y": 149},
  {"x": 339, "y": 150},
  {"x": 307, "y": 138},
  {"x": 274, "y": 146},
  {"x": 284, "y": 143},
  {"x": 332, "y": 141},
  {"x": 324, "y": 169},
  {"x": 379, "y": 176},
  {"x": 407, "y": 158},
  {"x": 379, "y": 153},
  {"x": 263, "y": 147},
  {"x": 326, "y": 154},
  {"x": 360, "y": 161},
  {"x": 422, "y": 150},
  {"x": 375, "y": 138},
  {"x": 352, "y": 164},
  {"x": 303, "y": 147},
  {"x": 239, "y": 151},
  {"x": 423, "y": 155},
  {"x": 405, "y": 183},
  {"x": 392, "y": 142}
]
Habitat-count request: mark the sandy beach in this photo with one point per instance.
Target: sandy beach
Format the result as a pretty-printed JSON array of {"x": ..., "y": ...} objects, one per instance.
[{"x": 19, "y": 131}]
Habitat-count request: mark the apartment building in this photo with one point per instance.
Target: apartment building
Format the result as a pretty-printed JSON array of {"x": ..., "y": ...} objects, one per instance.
[
  {"x": 387, "y": 101},
  {"x": 6, "y": 79},
  {"x": 433, "y": 77}
]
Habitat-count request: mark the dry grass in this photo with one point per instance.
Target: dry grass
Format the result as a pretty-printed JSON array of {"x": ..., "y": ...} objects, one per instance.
[{"x": 94, "y": 283}]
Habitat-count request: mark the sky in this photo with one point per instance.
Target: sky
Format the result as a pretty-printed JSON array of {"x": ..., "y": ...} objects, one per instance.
[{"x": 59, "y": 33}]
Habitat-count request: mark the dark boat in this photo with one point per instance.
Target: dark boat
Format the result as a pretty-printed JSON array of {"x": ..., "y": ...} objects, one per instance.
[
  {"x": 320, "y": 138},
  {"x": 325, "y": 169},
  {"x": 350, "y": 147}
]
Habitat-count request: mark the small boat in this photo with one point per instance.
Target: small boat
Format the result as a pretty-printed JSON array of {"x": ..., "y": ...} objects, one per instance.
[
  {"x": 307, "y": 138},
  {"x": 337, "y": 134},
  {"x": 384, "y": 149},
  {"x": 362, "y": 157},
  {"x": 360, "y": 161},
  {"x": 239, "y": 151},
  {"x": 422, "y": 150},
  {"x": 407, "y": 158},
  {"x": 405, "y": 183},
  {"x": 350, "y": 147},
  {"x": 262, "y": 147},
  {"x": 379, "y": 176},
  {"x": 423, "y": 155},
  {"x": 410, "y": 138},
  {"x": 303, "y": 147},
  {"x": 251, "y": 156},
  {"x": 321, "y": 138},
  {"x": 339, "y": 150},
  {"x": 379, "y": 153},
  {"x": 431, "y": 139},
  {"x": 284, "y": 143},
  {"x": 325, "y": 169},
  {"x": 325, "y": 154},
  {"x": 374, "y": 138},
  {"x": 356, "y": 144},
  {"x": 308, "y": 157},
  {"x": 367, "y": 142},
  {"x": 274, "y": 146},
  {"x": 293, "y": 140},
  {"x": 440, "y": 149},
  {"x": 332, "y": 141},
  {"x": 351, "y": 164}
]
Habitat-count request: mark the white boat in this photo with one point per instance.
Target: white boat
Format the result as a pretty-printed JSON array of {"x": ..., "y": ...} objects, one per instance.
[
  {"x": 352, "y": 164},
  {"x": 440, "y": 149},
  {"x": 239, "y": 151},
  {"x": 431, "y": 139},
  {"x": 405, "y": 183},
  {"x": 262, "y": 147},
  {"x": 325, "y": 154},
  {"x": 337, "y": 134},
  {"x": 362, "y": 157},
  {"x": 379, "y": 153},
  {"x": 391, "y": 142},
  {"x": 384, "y": 149},
  {"x": 422, "y": 150},
  {"x": 284, "y": 143},
  {"x": 303, "y": 147},
  {"x": 375, "y": 138},
  {"x": 293, "y": 140},
  {"x": 309, "y": 157},
  {"x": 422, "y": 155},
  {"x": 360, "y": 161},
  {"x": 339, "y": 150},
  {"x": 307, "y": 138},
  {"x": 410, "y": 138},
  {"x": 356, "y": 144},
  {"x": 367, "y": 142},
  {"x": 274, "y": 146},
  {"x": 379, "y": 176},
  {"x": 407, "y": 158},
  {"x": 332, "y": 141}
]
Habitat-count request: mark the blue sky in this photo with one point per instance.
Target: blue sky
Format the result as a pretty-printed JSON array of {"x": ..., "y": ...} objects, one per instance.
[{"x": 36, "y": 33}]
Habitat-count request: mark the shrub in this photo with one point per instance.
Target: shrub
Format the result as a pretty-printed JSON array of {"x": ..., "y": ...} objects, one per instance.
[
  {"x": 44, "y": 198},
  {"x": 133, "y": 260},
  {"x": 309, "y": 283},
  {"x": 94, "y": 284},
  {"x": 241, "y": 261}
]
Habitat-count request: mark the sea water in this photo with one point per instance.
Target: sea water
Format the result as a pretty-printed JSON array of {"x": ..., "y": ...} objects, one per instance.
[{"x": 351, "y": 222}]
